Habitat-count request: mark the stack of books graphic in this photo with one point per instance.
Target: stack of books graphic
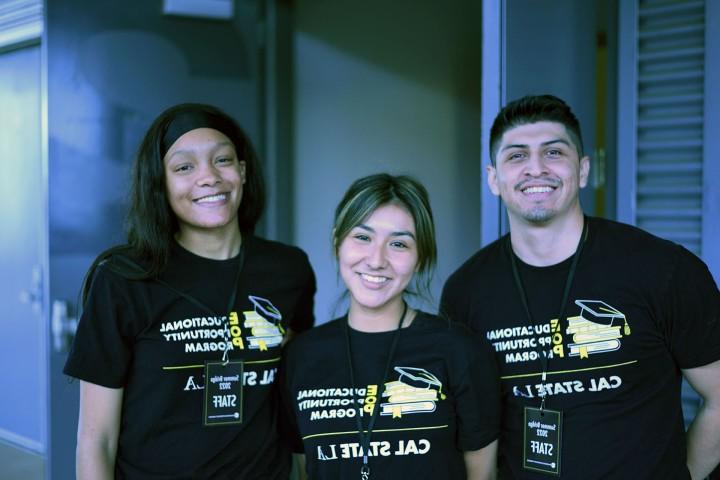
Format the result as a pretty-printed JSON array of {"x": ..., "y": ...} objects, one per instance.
[
  {"x": 593, "y": 331},
  {"x": 263, "y": 333},
  {"x": 413, "y": 395}
]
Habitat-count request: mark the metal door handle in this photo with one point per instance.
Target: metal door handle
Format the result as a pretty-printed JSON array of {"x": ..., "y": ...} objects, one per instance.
[
  {"x": 34, "y": 296},
  {"x": 62, "y": 325}
]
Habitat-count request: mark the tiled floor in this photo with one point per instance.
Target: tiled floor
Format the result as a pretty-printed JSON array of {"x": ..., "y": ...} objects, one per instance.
[{"x": 19, "y": 464}]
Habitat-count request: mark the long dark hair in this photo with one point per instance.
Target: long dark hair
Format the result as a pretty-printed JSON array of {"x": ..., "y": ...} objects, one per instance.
[{"x": 151, "y": 224}]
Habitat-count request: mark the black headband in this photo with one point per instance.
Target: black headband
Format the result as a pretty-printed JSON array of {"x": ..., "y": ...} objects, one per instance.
[{"x": 190, "y": 120}]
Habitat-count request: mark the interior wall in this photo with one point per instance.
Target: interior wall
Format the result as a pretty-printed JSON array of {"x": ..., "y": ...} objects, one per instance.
[
  {"x": 110, "y": 71},
  {"x": 386, "y": 86}
]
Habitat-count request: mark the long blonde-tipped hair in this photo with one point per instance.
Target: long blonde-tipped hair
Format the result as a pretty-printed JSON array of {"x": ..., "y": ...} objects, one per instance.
[{"x": 369, "y": 193}]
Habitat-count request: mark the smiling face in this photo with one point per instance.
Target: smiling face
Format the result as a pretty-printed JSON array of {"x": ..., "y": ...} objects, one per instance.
[
  {"x": 378, "y": 258},
  {"x": 538, "y": 174},
  {"x": 204, "y": 181}
]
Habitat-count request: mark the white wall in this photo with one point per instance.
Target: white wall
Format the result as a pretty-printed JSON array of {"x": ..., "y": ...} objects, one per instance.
[{"x": 386, "y": 86}]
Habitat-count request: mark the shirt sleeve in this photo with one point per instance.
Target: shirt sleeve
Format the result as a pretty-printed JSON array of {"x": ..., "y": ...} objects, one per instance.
[
  {"x": 102, "y": 349},
  {"x": 451, "y": 306},
  {"x": 692, "y": 312},
  {"x": 287, "y": 420},
  {"x": 477, "y": 393},
  {"x": 304, "y": 317}
]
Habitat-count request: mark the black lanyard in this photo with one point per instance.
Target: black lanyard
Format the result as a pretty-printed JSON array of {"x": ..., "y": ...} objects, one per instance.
[
  {"x": 542, "y": 355},
  {"x": 198, "y": 303},
  {"x": 365, "y": 436}
]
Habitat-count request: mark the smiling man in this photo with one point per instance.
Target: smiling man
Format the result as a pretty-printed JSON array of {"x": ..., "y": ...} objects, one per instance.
[{"x": 593, "y": 322}]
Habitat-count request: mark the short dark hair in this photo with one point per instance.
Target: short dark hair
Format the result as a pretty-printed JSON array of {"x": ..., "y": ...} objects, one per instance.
[
  {"x": 533, "y": 109},
  {"x": 369, "y": 193}
]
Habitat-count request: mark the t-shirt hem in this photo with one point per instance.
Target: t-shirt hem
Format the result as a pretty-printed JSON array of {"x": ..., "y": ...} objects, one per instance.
[
  {"x": 80, "y": 374},
  {"x": 707, "y": 359},
  {"x": 469, "y": 445}
]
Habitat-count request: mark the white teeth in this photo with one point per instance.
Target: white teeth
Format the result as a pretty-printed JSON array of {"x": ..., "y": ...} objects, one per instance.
[
  {"x": 537, "y": 190},
  {"x": 211, "y": 198},
  {"x": 373, "y": 279}
]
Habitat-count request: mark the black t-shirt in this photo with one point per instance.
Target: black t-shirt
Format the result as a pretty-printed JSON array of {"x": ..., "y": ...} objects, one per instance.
[
  {"x": 441, "y": 398},
  {"x": 150, "y": 340},
  {"x": 640, "y": 309}
]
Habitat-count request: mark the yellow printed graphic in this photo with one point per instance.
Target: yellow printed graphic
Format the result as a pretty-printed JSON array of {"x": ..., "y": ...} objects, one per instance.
[
  {"x": 415, "y": 391},
  {"x": 595, "y": 329},
  {"x": 235, "y": 331},
  {"x": 264, "y": 323}
]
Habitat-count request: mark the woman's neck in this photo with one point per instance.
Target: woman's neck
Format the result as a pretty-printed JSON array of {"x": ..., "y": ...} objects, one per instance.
[
  {"x": 379, "y": 320},
  {"x": 217, "y": 245}
]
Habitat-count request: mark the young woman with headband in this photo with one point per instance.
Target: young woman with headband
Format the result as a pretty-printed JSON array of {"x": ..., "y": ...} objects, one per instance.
[{"x": 182, "y": 327}]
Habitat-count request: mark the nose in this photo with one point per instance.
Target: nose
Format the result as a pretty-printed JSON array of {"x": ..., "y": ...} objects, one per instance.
[
  {"x": 376, "y": 258},
  {"x": 208, "y": 174},
  {"x": 535, "y": 165}
]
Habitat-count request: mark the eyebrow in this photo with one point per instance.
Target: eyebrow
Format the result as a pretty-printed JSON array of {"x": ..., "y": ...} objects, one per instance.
[
  {"x": 543, "y": 144},
  {"x": 402, "y": 233},
  {"x": 216, "y": 147}
]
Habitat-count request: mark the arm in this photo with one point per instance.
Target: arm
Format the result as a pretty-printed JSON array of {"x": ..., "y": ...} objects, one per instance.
[
  {"x": 480, "y": 464},
  {"x": 703, "y": 445},
  {"x": 299, "y": 460},
  {"x": 98, "y": 429}
]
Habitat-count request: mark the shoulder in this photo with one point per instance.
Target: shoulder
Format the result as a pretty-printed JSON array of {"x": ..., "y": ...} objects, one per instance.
[
  {"x": 622, "y": 235},
  {"x": 270, "y": 250},
  {"x": 274, "y": 258},
  {"x": 635, "y": 243},
  {"x": 118, "y": 264},
  {"x": 442, "y": 329},
  {"x": 460, "y": 346},
  {"x": 320, "y": 334},
  {"x": 662, "y": 263},
  {"x": 115, "y": 289},
  {"x": 483, "y": 264}
]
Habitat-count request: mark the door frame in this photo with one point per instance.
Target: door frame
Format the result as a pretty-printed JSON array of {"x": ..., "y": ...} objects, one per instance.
[
  {"x": 29, "y": 32},
  {"x": 493, "y": 93}
]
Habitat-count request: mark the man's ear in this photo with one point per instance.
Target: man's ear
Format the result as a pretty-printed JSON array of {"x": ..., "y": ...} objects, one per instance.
[
  {"x": 584, "y": 171},
  {"x": 492, "y": 179}
]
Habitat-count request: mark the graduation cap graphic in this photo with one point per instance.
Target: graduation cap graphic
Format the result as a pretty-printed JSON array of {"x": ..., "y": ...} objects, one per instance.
[
  {"x": 415, "y": 391},
  {"x": 264, "y": 307},
  {"x": 596, "y": 329},
  {"x": 265, "y": 324},
  {"x": 418, "y": 377},
  {"x": 600, "y": 312}
]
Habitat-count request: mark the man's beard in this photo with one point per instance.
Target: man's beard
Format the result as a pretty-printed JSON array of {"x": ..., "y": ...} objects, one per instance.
[{"x": 539, "y": 215}]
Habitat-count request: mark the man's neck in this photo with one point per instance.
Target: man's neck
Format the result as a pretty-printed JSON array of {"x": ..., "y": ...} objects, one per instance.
[{"x": 546, "y": 244}]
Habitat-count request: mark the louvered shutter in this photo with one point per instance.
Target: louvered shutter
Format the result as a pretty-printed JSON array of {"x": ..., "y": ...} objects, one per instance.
[
  {"x": 21, "y": 21},
  {"x": 664, "y": 132},
  {"x": 667, "y": 127}
]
